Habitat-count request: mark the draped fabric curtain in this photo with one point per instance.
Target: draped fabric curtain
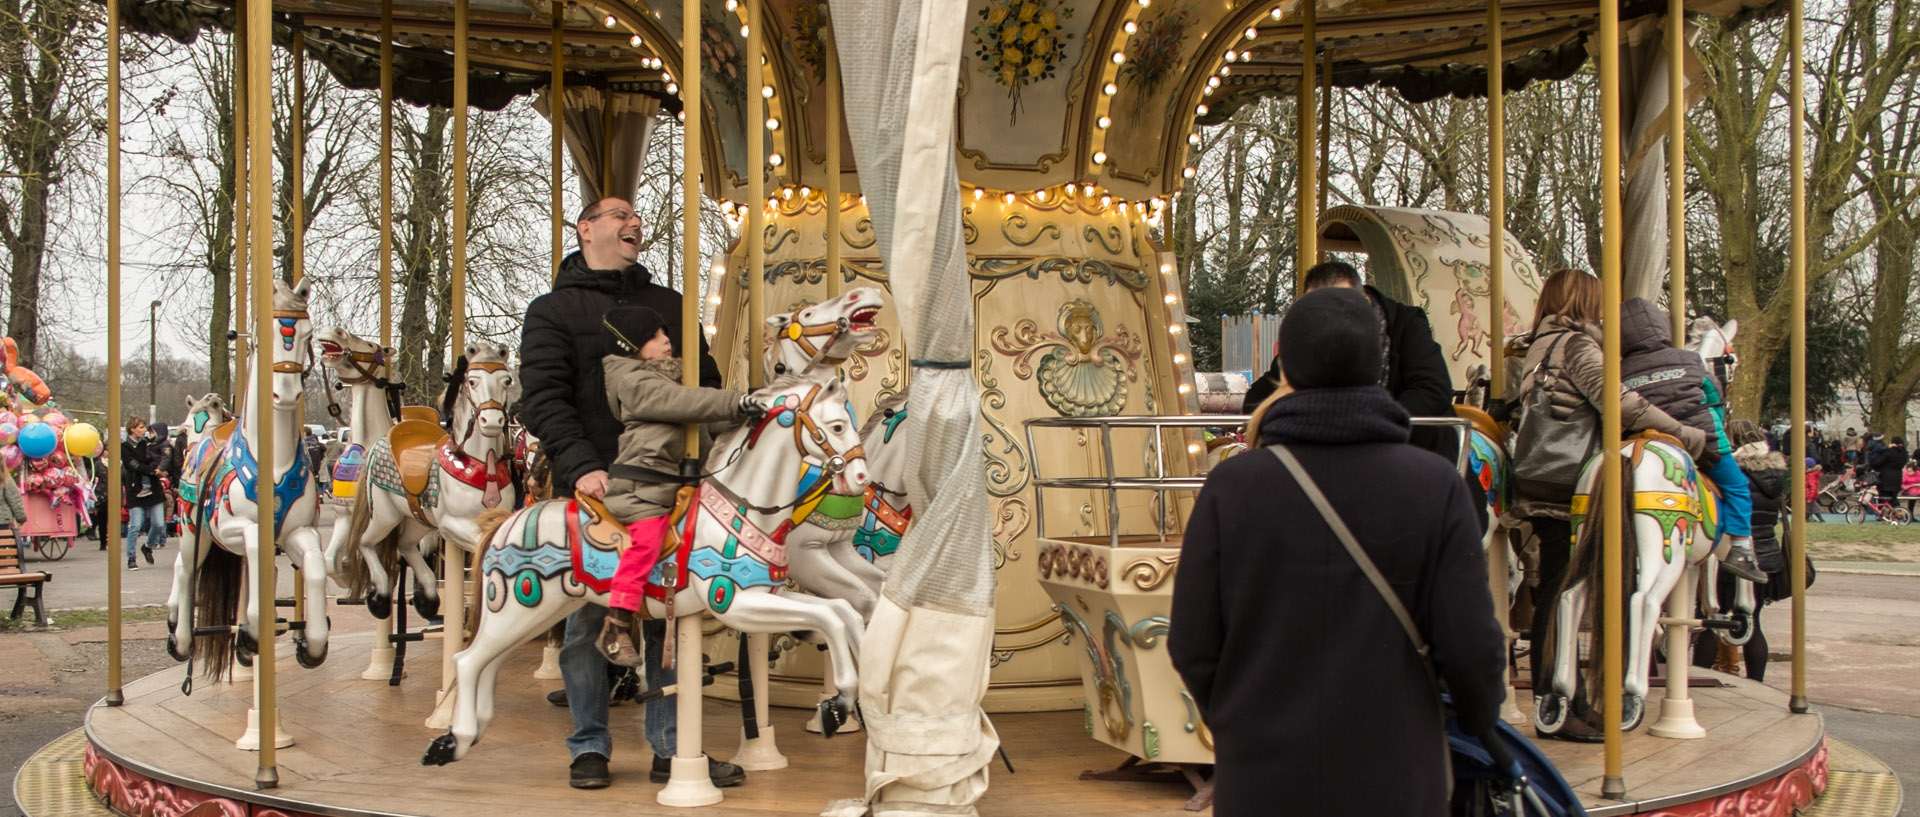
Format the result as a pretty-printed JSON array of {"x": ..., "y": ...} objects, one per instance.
[
  {"x": 1644, "y": 67},
  {"x": 923, "y": 661},
  {"x": 606, "y": 135}
]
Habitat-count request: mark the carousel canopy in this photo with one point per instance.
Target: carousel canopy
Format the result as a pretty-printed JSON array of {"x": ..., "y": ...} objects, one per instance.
[{"x": 1052, "y": 92}]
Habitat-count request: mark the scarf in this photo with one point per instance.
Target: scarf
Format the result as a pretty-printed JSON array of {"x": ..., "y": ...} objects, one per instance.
[{"x": 1335, "y": 416}]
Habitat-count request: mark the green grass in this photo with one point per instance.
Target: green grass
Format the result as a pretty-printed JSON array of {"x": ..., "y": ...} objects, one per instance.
[
  {"x": 83, "y": 619},
  {"x": 1876, "y": 533}
]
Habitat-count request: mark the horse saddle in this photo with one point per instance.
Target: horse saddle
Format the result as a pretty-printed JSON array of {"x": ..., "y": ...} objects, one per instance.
[
  {"x": 1481, "y": 422},
  {"x": 413, "y": 443},
  {"x": 599, "y": 542},
  {"x": 425, "y": 414}
]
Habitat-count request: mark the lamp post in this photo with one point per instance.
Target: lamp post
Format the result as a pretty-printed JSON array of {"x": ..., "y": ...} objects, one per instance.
[{"x": 153, "y": 360}]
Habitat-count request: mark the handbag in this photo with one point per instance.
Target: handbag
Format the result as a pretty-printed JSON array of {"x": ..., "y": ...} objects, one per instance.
[{"x": 1548, "y": 453}]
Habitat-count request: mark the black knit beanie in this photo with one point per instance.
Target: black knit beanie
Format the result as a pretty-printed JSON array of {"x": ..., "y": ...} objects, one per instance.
[
  {"x": 632, "y": 327},
  {"x": 1330, "y": 338}
]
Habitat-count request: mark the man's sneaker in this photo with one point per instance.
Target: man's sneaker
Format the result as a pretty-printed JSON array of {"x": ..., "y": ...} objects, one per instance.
[
  {"x": 557, "y": 697},
  {"x": 144, "y": 493},
  {"x": 725, "y": 775},
  {"x": 131, "y": 564},
  {"x": 589, "y": 771},
  {"x": 1740, "y": 563},
  {"x": 148, "y": 553}
]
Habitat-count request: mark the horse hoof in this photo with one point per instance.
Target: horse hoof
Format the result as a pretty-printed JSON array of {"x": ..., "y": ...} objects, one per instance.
[
  {"x": 441, "y": 751},
  {"x": 426, "y": 606},
  {"x": 245, "y": 647},
  {"x": 380, "y": 605},
  {"x": 834, "y": 712},
  {"x": 175, "y": 650},
  {"x": 300, "y": 654},
  {"x": 1742, "y": 631},
  {"x": 1549, "y": 712},
  {"x": 1632, "y": 709}
]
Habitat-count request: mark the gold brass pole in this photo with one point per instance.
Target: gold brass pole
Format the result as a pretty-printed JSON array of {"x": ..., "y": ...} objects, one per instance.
[
  {"x": 834, "y": 115},
  {"x": 1610, "y": 640},
  {"x": 297, "y": 148},
  {"x": 1677, "y": 171},
  {"x": 606, "y": 145},
  {"x": 1326, "y": 141},
  {"x": 457, "y": 311},
  {"x": 260, "y": 201},
  {"x": 241, "y": 189},
  {"x": 756, "y": 202},
  {"x": 1308, "y": 229},
  {"x": 386, "y": 173},
  {"x": 557, "y": 108},
  {"x": 115, "y": 696},
  {"x": 1797, "y": 344},
  {"x": 1496, "y": 201}
]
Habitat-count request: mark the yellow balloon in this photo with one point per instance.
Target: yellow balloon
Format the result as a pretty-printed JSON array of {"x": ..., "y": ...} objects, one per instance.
[{"x": 83, "y": 440}]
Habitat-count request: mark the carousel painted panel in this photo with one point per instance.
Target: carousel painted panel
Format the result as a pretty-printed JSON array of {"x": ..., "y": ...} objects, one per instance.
[
  {"x": 1115, "y": 603},
  {"x": 1439, "y": 261},
  {"x": 1072, "y": 320}
]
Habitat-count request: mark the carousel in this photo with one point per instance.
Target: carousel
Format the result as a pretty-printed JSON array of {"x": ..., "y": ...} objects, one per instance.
[{"x": 983, "y": 435}]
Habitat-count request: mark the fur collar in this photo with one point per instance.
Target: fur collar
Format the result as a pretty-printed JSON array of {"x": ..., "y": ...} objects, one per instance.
[{"x": 1758, "y": 457}]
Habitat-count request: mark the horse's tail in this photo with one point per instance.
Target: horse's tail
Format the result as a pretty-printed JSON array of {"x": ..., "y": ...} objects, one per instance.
[
  {"x": 489, "y": 521},
  {"x": 218, "y": 584},
  {"x": 353, "y": 562}
]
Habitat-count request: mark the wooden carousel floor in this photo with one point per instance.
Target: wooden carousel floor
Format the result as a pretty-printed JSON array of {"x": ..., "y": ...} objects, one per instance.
[{"x": 358, "y": 745}]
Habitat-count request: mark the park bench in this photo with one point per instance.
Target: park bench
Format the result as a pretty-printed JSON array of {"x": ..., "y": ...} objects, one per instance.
[{"x": 27, "y": 583}]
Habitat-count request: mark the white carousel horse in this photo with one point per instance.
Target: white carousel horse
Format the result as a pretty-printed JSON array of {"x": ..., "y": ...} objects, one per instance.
[
  {"x": 422, "y": 481},
  {"x": 209, "y": 426},
  {"x": 1672, "y": 526},
  {"x": 227, "y": 534},
  {"x": 551, "y": 558},
  {"x": 362, "y": 368},
  {"x": 1714, "y": 343}
]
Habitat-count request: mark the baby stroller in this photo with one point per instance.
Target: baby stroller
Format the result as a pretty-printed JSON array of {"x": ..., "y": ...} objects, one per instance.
[{"x": 1503, "y": 774}]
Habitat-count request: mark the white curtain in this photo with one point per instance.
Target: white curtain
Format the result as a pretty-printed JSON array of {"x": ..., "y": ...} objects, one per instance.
[
  {"x": 588, "y": 126},
  {"x": 923, "y": 662},
  {"x": 1644, "y": 67}
]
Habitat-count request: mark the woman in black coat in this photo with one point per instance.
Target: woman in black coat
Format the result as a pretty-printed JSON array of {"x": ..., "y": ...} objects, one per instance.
[
  {"x": 1887, "y": 463},
  {"x": 1311, "y": 687},
  {"x": 1766, "y": 472}
]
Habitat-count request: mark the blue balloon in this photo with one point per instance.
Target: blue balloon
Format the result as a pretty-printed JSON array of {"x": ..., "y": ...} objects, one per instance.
[{"x": 37, "y": 440}]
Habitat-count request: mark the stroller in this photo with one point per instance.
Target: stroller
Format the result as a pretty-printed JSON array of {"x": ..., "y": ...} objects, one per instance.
[{"x": 1503, "y": 774}]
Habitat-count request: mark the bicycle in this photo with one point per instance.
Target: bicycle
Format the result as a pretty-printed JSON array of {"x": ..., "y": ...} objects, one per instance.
[
  {"x": 1889, "y": 511},
  {"x": 1835, "y": 496}
]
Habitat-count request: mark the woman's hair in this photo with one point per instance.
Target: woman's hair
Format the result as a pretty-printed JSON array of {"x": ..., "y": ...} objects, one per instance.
[
  {"x": 1743, "y": 432},
  {"x": 6, "y": 475},
  {"x": 134, "y": 420},
  {"x": 1571, "y": 293}
]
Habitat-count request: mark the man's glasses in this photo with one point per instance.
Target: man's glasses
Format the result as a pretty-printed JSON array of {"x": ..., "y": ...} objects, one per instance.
[{"x": 622, "y": 215}]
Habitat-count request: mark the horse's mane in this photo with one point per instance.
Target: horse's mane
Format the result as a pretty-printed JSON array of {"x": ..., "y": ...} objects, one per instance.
[
  {"x": 1697, "y": 331},
  {"x": 287, "y": 298},
  {"x": 887, "y": 404}
]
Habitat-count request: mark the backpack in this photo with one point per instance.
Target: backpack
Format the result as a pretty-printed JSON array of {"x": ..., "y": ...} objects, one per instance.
[{"x": 1548, "y": 452}]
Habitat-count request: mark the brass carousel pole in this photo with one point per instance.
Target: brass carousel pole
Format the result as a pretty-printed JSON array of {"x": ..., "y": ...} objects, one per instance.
[
  {"x": 557, "y": 108},
  {"x": 297, "y": 236},
  {"x": 115, "y": 696},
  {"x": 1308, "y": 229},
  {"x": 1326, "y": 149},
  {"x": 260, "y": 201},
  {"x": 1496, "y": 202},
  {"x": 1677, "y": 171},
  {"x": 453, "y": 594},
  {"x": 386, "y": 174},
  {"x": 689, "y": 784},
  {"x": 834, "y": 116},
  {"x": 756, "y": 203},
  {"x": 1797, "y": 344},
  {"x": 1613, "y": 784},
  {"x": 241, "y": 190}
]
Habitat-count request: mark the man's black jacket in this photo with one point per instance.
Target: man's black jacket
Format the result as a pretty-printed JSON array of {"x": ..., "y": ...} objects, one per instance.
[{"x": 563, "y": 392}]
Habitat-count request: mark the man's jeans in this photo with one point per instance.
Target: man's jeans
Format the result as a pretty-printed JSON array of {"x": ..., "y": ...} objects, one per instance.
[
  {"x": 583, "y": 671},
  {"x": 150, "y": 519}
]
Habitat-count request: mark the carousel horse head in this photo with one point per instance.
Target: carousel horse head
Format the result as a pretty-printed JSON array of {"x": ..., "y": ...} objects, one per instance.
[
  {"x": 822, "y": 425},
  {"x": 825, "y": 333},
  {"x": 479, "y": 417},
  {"x": 352, "y": 359},
  {"x": 290, "y": 343},
  {"x": 204, "y": 414},
  {"x": 1715, "y": 345}
]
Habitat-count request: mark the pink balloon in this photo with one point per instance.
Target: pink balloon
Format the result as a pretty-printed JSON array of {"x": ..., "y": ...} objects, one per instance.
[
  {"x": 8, "y": 417},
  {"x": 56, "y": 419},
  {"x": 11, "y": 456}
]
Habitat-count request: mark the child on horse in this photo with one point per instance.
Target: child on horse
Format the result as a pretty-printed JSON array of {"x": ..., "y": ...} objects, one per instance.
[
  {"x": 1678, "y": 382},
  {"x": 644, "y": 390}
]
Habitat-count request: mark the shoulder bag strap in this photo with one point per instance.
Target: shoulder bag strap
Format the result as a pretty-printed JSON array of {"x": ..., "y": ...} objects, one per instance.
[{"x": 1340, "y": 531}]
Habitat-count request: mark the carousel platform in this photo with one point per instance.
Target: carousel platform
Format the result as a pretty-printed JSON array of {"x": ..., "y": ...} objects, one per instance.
[{"x": 358, "y": 745}]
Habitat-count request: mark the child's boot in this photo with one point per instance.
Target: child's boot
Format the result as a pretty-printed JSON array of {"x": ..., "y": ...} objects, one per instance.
[{"x": 620, "y": 639}]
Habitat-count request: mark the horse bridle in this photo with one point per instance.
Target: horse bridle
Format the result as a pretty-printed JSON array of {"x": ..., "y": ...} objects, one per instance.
[
  {"x": 800, "y": 333},
  {"x": 466, "y": 393},
  {"x": 289, "y": 366},
  {"x": 364, "y": 374},
  {"x": 835, "y": 461}
]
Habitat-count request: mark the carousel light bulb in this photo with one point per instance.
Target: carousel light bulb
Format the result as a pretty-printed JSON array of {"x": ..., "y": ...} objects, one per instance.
[
  {"x": 634, "y": 41},
  {"x": 772, "y": 202},
  {"x": 1119, "y": 57},
  {"x": 1106, "y": 201},
  {"x": 743, "y": 31},
  {"x": 1226, "y": 70},
  {"x": 1040, "y": 195},
  {"x": 682, "y": 116},
  {"x": 1193, "y": 448},
  {"x": 1207, "y": 91},
  {"x": 1099, "y": 157},
  {"x": 1008, "y": 198},
  {"x": 673, "y": 88},
  {"x": 1184, "y": 388},
  {"x": 1166, "y": 269},
  {"x": 863, "y": 199},
  {"x": 1193, "y": 138},
  {"x": 766, "y": 92},
  {"x": 1179, "y": 359},
  {"x": 1104, "y": 122},
  {"x": 786, "y": 193},
  {"x": 609, "y": 22},
  {"x": 1275, "y": 12},
  {"x": 1110, "y": 89},
  {"x": 1171, "y": 298},
  {"x": 1232, "y": 55},
  {"x": 1252, "y": 33},
  {"x": 714, "y": 329},
  {"x": 977, "y": 193},
  {"x": 1187, "y": 172},
  {"x": 1145, "y": 3},
  {"x": 733, "y": 5},
  {"x": 1157, "y": 204},
  {"x": 1130, "y": 26},
  {"x": 715, "y": 300},
  {"x": 773, "y": 123},
  {"x": 1200, "y": 110},
  {"x": 1213, "y": 82},
  {"x": 1173, "y": 329},
  {"x": 806, "y": 192},
  {"x": 776, "y": 160},
  {"x": 666, "y": 75}
]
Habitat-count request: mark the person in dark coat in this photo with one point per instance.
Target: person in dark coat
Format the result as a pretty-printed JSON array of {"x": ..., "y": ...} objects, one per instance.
[
  {"x": 140, "y": 470},
  {"x": 563, "y": 404},
  {"x": 1311, "y": 687},
  {"x": 1415, "y": 370},
  {"x": 1766, "y": 472},
  {"x": 1887, "y": 462}
]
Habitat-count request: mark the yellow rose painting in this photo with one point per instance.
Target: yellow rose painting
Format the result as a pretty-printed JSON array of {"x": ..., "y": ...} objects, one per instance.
[{"x": 1020, "y": 42}]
